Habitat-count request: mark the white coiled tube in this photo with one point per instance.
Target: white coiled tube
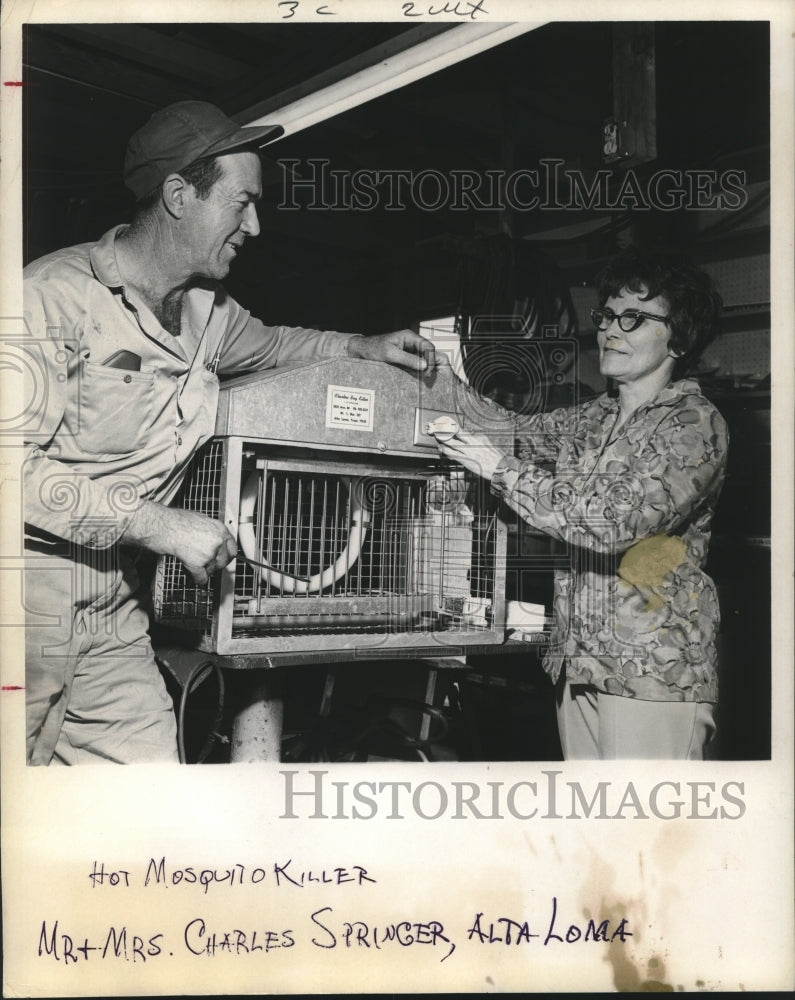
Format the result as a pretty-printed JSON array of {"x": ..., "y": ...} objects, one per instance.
[{"x": 287, "y": 582}]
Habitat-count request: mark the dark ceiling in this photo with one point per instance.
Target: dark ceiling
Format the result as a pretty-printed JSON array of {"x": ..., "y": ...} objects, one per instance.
[{"x": 542, "y": 95}]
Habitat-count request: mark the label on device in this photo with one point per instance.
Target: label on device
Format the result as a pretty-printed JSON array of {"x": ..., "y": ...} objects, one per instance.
[{"x": 349, "y": 407}]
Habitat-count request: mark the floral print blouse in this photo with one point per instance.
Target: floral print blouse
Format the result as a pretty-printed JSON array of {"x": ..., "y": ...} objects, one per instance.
[{"x": 634, "y": 612}]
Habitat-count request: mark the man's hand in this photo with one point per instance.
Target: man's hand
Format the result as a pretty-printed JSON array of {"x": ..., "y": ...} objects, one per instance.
[
  {"x": 200, "y": 543},
  {"x": 404, "y": 348}
]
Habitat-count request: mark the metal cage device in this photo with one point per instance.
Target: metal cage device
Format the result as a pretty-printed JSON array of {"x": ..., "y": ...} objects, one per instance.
[{"x": 352, "y": 533}]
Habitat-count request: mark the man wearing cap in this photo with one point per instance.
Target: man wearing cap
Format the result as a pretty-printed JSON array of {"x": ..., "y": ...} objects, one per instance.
[{"x": 133, "y": 332}]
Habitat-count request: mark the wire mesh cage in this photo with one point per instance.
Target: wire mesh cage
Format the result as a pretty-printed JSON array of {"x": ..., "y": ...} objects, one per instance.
[{"x": 337, "y": 548}]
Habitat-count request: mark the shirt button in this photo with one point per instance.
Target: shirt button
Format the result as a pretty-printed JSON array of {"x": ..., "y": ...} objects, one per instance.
[
  {"x": 128, "y": 378},
  {"x": 179, "y": 439}
]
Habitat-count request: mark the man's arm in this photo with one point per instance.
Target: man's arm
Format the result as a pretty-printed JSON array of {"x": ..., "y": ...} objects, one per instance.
[
  {"x": 61, "y": 500},
  {"x": 404, "y": 348},
  {"x": 99, "y": 513},
  {"x": 202, "y": 544},
  {"x": 249, "y": 345}
]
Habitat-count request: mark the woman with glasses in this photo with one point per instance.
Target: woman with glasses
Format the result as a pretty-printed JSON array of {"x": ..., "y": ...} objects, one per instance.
[{"x": 629, "y": 480}]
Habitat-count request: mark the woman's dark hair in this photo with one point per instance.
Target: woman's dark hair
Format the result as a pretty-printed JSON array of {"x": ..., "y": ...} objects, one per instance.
[
  {"x": 201, "y": 174},
  {"x": 693, "y": 303}
]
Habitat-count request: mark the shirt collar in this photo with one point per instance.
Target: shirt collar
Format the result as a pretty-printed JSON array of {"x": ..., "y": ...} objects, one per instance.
[
  {"x": 103, "y": 259},
  {"x": 671, "y": 393},
  {"x": 674, "y": 391}
]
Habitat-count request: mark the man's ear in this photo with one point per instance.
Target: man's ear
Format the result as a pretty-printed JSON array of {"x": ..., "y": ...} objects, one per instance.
[{"x": 174, "y": 192}]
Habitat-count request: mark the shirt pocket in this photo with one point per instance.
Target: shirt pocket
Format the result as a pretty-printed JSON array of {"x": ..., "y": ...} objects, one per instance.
[{"x": 115, "y": 409}]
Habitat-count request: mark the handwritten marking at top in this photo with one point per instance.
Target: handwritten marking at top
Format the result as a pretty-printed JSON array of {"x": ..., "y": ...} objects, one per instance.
[{"x": 467, "y": 9}]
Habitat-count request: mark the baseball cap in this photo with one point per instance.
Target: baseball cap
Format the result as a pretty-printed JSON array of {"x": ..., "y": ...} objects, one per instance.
[{"x": 180, "y": 134}]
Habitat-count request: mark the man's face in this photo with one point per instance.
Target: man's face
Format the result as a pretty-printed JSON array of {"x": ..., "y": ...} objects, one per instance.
[{"x": 217, "y": 225}]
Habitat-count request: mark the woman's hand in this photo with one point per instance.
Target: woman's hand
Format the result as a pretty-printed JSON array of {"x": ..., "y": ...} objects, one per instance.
[{"x": 474, "y": 451}]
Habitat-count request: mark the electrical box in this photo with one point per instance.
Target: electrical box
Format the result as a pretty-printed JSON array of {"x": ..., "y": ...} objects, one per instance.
[{"x": 352, "y": 532}]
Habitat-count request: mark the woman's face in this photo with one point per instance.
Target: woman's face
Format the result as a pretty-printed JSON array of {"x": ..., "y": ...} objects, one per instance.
[{"x": 628, "y": 357}]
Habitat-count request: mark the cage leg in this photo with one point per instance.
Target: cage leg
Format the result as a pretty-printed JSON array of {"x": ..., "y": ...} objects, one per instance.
[
  {"x": 328, "y": 691},
  {"x": 430, "y": 697},
  {"x": 257, "y": 726}
]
